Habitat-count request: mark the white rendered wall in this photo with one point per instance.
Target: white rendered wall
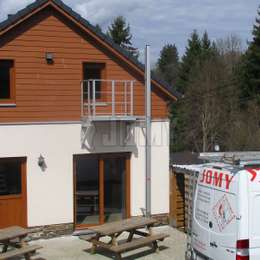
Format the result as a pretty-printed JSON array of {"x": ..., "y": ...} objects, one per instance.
[
  {"x": 160, "y": 170},
  {"x": 50, "y": 192}
]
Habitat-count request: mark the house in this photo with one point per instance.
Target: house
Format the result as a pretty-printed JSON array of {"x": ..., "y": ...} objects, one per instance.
[{"x": 72, "y": 106}]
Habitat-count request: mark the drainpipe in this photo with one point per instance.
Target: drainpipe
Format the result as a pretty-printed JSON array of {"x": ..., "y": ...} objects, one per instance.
[{"x": 148, "y": 130}]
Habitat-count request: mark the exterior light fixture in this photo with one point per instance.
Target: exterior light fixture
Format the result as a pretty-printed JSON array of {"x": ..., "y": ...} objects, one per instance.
[
  {"x": 49, "y": 58},
  {"x": 217, "y": 148},
  {"x": 42, "y": 163}
]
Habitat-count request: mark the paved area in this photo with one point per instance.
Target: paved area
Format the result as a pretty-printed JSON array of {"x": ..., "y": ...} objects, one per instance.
[
  {"x": 72, "y": 248},
  {"x": 68, "y": 248}
]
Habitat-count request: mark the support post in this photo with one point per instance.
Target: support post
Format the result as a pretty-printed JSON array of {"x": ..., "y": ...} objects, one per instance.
[
  {"x": 82, "y": 99},
  {"x": 148, "y": 130},
  {"x": 125, "y": 96},
  {"x": 132, "y": 98},
  {"x": 89, "y": 100},
  {"x": 94, "y": 98},
  {"x": 113, "y": 98}
]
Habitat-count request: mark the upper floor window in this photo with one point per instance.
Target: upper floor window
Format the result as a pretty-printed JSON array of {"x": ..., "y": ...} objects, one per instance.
[
  {"x": 6, "y": 81},
  {"x": 93, "y": 71}
]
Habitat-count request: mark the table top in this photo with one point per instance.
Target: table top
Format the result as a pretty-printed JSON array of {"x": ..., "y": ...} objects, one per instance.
[
  {"x": 87, "y": 193},
  {"x": 123, "y": 225},
  {"x": 12, "y": 233}
]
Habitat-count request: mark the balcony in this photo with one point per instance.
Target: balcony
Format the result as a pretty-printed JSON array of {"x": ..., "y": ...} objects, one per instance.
[{"x": 105, "y": 100}]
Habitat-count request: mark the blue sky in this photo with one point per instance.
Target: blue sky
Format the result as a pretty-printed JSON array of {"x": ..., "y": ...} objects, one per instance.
[{"x": 165, "y": 21}]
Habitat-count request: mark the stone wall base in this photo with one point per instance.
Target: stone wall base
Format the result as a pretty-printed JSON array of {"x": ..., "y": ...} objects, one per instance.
[
  {"x": 162, "y": 219},
  {"x": 50, "y": 231}
]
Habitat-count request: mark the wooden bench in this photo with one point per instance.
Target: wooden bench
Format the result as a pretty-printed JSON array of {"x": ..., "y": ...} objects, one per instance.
[
  {"x": 132, "y": 245},
  {"x": 140, "y": 226},
  {"x": 26, "y": 251},
  {"x": 139, "y": 242}
]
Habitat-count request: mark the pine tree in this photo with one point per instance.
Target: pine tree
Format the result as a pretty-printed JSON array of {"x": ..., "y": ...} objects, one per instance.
[
  {"x": 189, "y": 61},
  {"x": 168, "y": 63},
  {"x": 200, "y": 54},
  {"x": 98, "y": 28},
  {"x": 250, "y": 87},
  {"x": 119, "y": 32},
  {"x": 186, "y": 68},
  {"x": 208, "y": 48}
]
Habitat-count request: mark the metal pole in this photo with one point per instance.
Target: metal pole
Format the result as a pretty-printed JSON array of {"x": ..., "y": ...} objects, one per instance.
[
  {"x": 132, "y": 98},
  {"x": 113, "y": 98},
  {"x": 89, "y": 98},
  {"x": 125, "y": 96},
  {"x": 148, "y": 130},
  {"x": 82, "y": 99},
  {"x": 94, "y": 98}
]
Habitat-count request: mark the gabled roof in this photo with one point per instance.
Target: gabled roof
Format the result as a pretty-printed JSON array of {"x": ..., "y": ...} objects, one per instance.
[{"x": 25, "y": 13}]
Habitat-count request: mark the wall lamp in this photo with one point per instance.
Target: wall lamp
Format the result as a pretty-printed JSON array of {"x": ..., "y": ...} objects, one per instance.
[
  {"x": 42, "y": 163},
  {"x": 49, "y": 57}
]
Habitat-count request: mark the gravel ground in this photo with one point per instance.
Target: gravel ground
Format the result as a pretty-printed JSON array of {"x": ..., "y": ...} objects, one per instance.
[{"x": 72, "y": 248}]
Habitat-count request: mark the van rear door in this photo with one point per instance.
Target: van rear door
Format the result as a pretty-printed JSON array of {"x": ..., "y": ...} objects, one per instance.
[
  {"x": 203, "y": 202},
  {"x": 214, "y": 215},
  {"x": 253, "y": 176},
  {"x": 223, "y": 232}
]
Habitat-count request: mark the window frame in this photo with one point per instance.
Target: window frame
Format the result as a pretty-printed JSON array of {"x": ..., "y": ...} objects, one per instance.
[
  {"x": 22, "y": 165},
  {"x": 12, "y": 99},
  {"x": 102, "y": 67}
]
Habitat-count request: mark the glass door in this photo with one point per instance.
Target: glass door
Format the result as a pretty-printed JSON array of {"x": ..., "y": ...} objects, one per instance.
[
  {"x": 102, "y": 188},
  {"x": 87, "y": 191},
  {"x": 114, "y": 189}
]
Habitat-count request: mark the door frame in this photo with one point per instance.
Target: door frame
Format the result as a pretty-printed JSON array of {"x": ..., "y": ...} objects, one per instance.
[
  {"x": 23, "y": 196},
  {"x": 101, "y": 158}
]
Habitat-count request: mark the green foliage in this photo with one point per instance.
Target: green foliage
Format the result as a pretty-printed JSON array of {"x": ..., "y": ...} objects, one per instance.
[
  {"x": 168, "y": 64},
  {"x": 119, "y": 32},
  {"x": 189, "y": 61},
  {"x": 98, "y": 28},
  {"x": 250, "y": 67},
  {"x": 198, "y": 51}
]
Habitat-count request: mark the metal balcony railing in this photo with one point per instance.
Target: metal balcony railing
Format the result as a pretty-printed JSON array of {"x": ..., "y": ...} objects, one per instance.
[{"x": 107, "y": 99}]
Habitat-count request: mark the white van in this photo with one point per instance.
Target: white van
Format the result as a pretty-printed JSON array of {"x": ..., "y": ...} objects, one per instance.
[{"x": 226, "y": 212}]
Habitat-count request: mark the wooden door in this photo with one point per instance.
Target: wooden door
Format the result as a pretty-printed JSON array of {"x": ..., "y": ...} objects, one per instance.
[{"x": 13, "y": 204}]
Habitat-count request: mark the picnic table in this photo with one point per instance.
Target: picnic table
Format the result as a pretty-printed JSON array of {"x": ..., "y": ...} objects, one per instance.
[
  {"x": 14, "y": 237},
  {"x": 132, "y": 226}
]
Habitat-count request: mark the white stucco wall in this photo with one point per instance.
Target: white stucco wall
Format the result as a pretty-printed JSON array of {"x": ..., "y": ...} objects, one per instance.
[{"x": 50, "y": 193}]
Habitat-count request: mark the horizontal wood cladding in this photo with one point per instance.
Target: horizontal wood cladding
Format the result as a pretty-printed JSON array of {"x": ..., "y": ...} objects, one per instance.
[{"x": 52, "y": 92}]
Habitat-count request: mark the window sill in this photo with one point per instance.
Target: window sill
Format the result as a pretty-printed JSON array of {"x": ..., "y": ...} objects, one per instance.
[{"x": 7, "y": 105}]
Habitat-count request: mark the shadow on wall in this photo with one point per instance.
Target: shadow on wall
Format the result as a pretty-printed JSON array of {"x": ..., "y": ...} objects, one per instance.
[{"x": 110, "y": 137}]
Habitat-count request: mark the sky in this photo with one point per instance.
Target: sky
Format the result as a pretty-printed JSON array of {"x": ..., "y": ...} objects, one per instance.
[{"x": 160, "y": 22}]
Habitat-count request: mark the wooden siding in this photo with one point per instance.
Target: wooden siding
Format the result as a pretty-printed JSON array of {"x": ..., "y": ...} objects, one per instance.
[{"x": 52, "y": 92}]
